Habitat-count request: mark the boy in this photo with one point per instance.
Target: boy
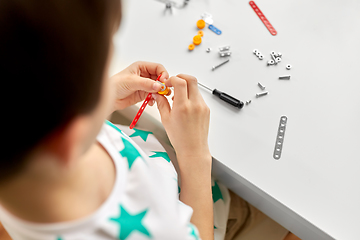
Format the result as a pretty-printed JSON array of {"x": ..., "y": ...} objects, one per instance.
[
  {"x": 62, "y": 179},
  {"x": 64, "y": 173}
]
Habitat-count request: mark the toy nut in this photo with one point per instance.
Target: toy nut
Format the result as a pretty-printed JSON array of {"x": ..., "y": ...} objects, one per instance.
[
  {"x": 197, "y": 40},
  {"x": 191, "y": 47},
  {"x": 164, "y": 89},
  {"x": 200, "y": 24}
]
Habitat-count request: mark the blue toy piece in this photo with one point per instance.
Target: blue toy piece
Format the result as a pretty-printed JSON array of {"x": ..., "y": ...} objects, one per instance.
[{"x": 214, "y": 29}]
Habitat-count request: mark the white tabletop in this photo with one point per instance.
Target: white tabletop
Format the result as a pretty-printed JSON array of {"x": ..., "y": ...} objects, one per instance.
[{"x": 314, "y": 189}]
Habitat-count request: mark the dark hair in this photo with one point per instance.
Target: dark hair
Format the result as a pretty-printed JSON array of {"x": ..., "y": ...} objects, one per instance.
[{"x": 52, "y": 59}]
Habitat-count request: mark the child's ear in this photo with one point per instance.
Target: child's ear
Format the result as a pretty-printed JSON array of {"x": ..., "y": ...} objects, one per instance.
[{"x": 67, "y": 143}]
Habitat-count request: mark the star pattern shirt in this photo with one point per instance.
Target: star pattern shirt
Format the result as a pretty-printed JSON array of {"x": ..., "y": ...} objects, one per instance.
[{"x": 143, "y": 204}]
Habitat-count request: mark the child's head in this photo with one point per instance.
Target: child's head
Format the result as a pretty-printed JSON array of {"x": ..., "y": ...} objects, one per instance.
[{"x": 53, "y": 59}]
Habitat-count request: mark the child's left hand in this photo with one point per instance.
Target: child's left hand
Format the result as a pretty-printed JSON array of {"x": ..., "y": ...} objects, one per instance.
[{"x": 136, "y": 81}]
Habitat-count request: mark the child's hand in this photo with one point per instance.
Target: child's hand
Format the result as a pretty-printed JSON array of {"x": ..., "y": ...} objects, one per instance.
[
  {"x": 136, "y": 81},
  {"x": 187, "y": 123}
]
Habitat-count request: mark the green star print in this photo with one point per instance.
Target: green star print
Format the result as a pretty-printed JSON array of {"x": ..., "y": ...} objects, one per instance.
[
  {"x": 216, "y": 193},
  {"x": 143, "y": 134},
  {"x": 193, "y": 232},
  {"x": 129, "y": 223},
  {"x": 130, "y": 152},
  {"x": 113, "y": 126},
  {"x": 160, "y": 154}
]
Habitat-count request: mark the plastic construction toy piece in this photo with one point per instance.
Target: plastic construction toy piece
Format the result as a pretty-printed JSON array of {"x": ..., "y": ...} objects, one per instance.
[
  {"x": 224, "y": 48},
  {"x": 207, "y": 17},
  {"x": 280, "y": 137},
  {"x": 164, "y": 90},
  {"x": 261, "y": 94},
  {"x": 197, "y": 40},
  {"x": 263, "y": 18},
  {"x": 201, "y": 33},
  {"x": 219, "y": 65},
  {"x": 141, "y": 110},
  {"x": 258, "y": 54},
  {"x": 191, "y": 47},
  {"x": 261, "y": 86},
  {"x": 214, "y": 29},
  {"x": 200, "y": 24},
  {"x": 285, "y": 77},
  {"x": 225, "y": 54}
]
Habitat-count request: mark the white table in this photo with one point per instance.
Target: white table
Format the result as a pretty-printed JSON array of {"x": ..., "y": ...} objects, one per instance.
[{"x": 314, "y": 189}]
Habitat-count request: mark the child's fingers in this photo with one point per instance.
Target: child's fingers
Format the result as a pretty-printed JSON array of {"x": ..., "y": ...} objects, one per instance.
[
  {"x": 152, "y": 70},
  {"x": 180, "y": 90},
  {"x": 192, "y": 86},
  {"x": 144, "y": 84},
  {"x": 163, "y": 106},
  {"x": 151, "y": 102}
]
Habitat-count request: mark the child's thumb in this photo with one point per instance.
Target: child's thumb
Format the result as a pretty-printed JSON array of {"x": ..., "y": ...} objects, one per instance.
[
  {"x": 162, "y": 104},
  {"x": 146, "y": 84}
]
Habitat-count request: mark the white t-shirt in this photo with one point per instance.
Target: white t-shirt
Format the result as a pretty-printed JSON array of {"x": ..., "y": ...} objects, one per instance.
[{"x": 143, "y": 204}]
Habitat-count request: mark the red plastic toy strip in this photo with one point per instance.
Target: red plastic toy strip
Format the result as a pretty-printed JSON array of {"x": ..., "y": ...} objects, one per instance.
[
  {"x": 263, "y": 18},
  {"x": 141, "y": 110}
]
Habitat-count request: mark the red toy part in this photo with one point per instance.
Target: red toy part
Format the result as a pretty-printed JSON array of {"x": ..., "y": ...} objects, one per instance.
[
  {"x": 263, "y": 18},
  {"x": 141, "y": 110}
]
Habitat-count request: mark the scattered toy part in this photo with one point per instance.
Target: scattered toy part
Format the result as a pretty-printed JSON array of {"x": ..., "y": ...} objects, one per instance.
[
  {"x": 258, "y": 54},
  {"x": 280, "y": 138},
  {"x": 214, "y": 29},
  {"x": 225, "y": 54},
  {"x": 270, "y": 62},
  {"x": 208, "y": 49},
  {"x": 261, "y": 86},
  {"x": 276, "y": 58},
  {"x": 215, "y": 67},
  {"x": 263, "y": 18},
  {"x": 197, "y": 40},
  {"x": 261, "y": 94},
  {"x": 224, "y": 48},
  {"x": 248, "y": 102},
  {"x": 201, "y": 33},
  {"x": 207, "y": 17},
  {"x": 200, "y": 24},
  {"x": 288, "y": 67},
  {"x": 191, "y": 47},
  {"x": 285, "y": 77},
  {"x": 170, "y": 4}
]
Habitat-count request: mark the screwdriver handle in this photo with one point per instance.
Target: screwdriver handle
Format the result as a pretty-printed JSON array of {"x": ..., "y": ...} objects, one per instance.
[{"x": 229, "y": 99}]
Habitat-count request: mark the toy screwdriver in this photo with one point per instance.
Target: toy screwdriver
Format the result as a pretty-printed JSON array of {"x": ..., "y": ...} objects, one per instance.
[
  {"x": 225, "y": 97},
  {"x": 164, "y": 91}
]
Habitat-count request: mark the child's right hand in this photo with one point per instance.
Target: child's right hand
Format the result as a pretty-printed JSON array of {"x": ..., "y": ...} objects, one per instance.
[{"x": 187, "y": 122}]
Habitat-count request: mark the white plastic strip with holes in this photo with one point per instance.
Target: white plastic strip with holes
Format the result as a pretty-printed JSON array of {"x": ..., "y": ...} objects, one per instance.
[{"x": 280, "y": 137}]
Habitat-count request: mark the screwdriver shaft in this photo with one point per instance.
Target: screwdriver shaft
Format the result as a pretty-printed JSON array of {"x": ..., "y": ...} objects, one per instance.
[{"x": 205, "y": 86}]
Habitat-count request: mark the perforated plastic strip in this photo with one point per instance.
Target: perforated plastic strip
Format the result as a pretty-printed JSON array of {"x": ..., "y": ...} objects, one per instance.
[
  {"x": 280, "y": 137},
  {"x": 141, "y": 110},
  {"x": 263, "y": 18},
  {"x": 214, "y": 29}
]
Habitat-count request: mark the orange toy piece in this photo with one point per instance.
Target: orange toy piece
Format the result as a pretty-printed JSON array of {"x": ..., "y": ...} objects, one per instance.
[
  {"x": 191, "y": 47},
  {"x": 200, "y": 24},
  {"x": 164, "y": 90},
  {"x": 197, "y": 40},
  {"x": 201, "y": 33}
]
